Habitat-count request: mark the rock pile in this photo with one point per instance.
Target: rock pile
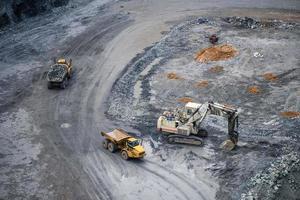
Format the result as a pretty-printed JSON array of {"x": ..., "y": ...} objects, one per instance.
[
  {"x": 244, "y": 22},
  {"x": 247, "y": 22},
  {"x": 266, "y": 184}
]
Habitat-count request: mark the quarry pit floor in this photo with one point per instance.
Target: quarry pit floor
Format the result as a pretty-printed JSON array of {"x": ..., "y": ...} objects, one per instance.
[{"x": 132, "y": 61}]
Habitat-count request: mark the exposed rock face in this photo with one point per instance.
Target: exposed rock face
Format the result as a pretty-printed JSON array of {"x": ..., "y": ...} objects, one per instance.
[{"x": 16, "y": 10}]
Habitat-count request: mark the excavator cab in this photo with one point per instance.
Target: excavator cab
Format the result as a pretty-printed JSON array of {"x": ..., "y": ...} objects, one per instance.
[{"x": 190, "y": 108}]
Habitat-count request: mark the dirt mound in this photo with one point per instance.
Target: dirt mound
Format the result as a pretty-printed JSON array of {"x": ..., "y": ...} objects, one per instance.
[
  {"x": 254, "y": 90},
  {"x": 270, "y": 77},
  {"x": 216, "y": 53},
  {"x": 290, "y": 114},
  {"x": 173, "y": 76},
  {"x": 216, "y": 69},
  {"x": 202, "y": 84},
  {"x": 185, "y": 99}
]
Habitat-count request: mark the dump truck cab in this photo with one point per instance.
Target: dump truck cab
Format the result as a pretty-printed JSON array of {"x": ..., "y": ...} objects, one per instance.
[
  {"x": 129, "y": 146},
  {"x": 134, "y": 148}
]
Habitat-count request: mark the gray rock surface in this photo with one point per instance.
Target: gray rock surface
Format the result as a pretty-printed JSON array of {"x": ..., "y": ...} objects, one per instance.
[{"x": 16, "y": 10}]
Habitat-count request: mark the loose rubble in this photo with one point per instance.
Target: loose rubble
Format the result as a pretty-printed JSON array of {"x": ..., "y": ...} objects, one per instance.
[
  {"x": 266, "y": 184},
  {"x": 248, "y": 22}
]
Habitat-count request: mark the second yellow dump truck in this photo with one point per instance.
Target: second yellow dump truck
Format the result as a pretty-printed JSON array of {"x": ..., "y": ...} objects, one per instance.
[
  {"x": 118, "y": 139},
  {"x": 59, "y": 73}
]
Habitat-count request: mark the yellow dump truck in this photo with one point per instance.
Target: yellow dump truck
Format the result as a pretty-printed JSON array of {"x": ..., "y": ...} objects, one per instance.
[{"x": 118, "y": 139}]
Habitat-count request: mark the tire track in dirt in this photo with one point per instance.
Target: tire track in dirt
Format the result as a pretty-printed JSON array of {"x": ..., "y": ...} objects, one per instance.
[
  {"x": 174, "y": 174},
  {"x": 77, "y": 139},
  {"x": 95, "y": 96}
]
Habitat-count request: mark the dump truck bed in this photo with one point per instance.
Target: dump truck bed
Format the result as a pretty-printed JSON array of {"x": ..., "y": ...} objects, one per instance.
[
  {"x": 117, "y": 135},
  {"x": 57, "y": 72}
]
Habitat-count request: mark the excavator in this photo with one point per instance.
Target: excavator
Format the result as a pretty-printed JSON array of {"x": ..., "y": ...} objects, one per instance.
[{"x": 184, "y": 124}]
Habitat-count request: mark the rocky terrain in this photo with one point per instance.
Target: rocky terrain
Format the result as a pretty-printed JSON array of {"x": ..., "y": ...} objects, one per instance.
[{"x": 12, "y": 11}]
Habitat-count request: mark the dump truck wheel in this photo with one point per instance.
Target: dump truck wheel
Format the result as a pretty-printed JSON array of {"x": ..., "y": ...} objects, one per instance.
[
  {"x": 111, "y": 147},
  {"x": 124, "y": 155},
  {"x": 64, "y": 84},
  {"x": 49, "y": 84},
  {"x": 105, "y": 144}
]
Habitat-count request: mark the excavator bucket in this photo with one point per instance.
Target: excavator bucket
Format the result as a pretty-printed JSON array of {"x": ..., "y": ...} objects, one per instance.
[{"x": 227, "y": 145}]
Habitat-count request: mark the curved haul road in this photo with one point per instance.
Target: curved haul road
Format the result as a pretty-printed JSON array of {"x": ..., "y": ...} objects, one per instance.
[{"x": 71, "y": 119}]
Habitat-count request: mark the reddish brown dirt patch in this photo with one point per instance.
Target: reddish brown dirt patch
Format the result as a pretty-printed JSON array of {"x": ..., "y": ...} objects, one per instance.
[
  {"x": 216, "y": 53},
  {"x": 270, "y": 77},
  {"x": 254, "y": 90},
  {"x": 185, "y": 99},
  {"x": 202, "y": 84},
  {"x": 290, "y": 114},
  {"x": 216, "y": 69},
  {"x": 173, "y": 76}
]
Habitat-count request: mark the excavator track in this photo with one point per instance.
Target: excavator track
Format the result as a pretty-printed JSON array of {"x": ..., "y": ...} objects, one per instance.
[{"x": 183, "y": 139}]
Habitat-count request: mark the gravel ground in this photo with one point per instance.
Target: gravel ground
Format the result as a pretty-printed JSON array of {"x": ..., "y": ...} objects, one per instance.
[{"x": 264, "y": 133}]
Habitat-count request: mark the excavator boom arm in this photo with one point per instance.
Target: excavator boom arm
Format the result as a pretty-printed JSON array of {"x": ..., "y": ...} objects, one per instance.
[{"x": 220, "y": 110}]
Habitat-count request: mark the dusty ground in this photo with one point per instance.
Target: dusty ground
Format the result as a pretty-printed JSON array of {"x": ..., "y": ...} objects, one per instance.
[{"x": 50, "y": 143}]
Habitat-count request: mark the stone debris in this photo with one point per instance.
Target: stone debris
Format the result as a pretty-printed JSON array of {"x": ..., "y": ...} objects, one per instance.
[
  {"x": 244, "y": 22},
  {"x": 213, "y": 39},
  {"x": 202, "y": 21},
  {"x": 258, "y": 55},
  {"x": 56, "y": 72},
  {"x": 248, "y": 22},
  {"x": 266, "y": 184}
]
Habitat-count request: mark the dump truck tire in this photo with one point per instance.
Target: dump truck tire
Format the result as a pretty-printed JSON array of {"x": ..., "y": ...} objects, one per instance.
[
  {"x": 111, "y": 147},
  {"x": 124, "y": 155},
  {"x": 63, "y": 85},
  {"x": 49, "y": 85},
  {"x": 105, "y": 144}
]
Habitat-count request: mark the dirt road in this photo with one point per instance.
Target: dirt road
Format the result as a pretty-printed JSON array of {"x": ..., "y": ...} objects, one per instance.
[{"x": 50, "y": 142}]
